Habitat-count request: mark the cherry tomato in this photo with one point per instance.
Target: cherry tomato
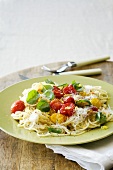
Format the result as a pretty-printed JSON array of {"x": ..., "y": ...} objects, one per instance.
[
  {"x": 69, "y": 89},
  {"x": 69, "y": 99},
  {"x": 17, "y": 106},
  {"x": 94, "y": 108},
  {"x": 55, "y": 104},
  {"x": 67, "y": 109},
  {"x": 57, "y": 92}
]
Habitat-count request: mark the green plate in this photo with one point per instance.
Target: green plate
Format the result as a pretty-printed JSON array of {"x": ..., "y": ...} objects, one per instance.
[{"x": 12, "y": 93}]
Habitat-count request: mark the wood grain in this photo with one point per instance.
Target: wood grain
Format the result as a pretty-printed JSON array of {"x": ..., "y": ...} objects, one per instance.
[{"x": 16, "y": 154}]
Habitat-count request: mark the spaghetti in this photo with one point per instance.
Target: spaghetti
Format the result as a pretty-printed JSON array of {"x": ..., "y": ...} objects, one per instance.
[{"x": 58, "y": 110}]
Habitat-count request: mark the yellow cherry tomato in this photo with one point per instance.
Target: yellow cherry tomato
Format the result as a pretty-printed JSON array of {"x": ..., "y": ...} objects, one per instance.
[
  {"x": 58, "y": 118},
  {"x": 96, "y": 102}
]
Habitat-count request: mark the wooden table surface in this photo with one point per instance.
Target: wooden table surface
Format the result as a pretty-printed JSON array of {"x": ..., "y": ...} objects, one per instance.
[{"x": 16, "y": 154}]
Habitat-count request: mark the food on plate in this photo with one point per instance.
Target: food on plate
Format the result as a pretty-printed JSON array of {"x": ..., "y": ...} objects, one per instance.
[{"x": 52, "y": 109}]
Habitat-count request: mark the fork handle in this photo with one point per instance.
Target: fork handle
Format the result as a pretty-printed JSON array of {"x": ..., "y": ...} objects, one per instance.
[
  {"x": 91, "y": 61},
  {"x": 87, "y": 72}
]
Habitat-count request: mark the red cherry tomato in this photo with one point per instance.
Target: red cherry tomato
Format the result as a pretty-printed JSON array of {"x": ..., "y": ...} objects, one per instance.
[
  {"x": 67, "y": 109},
  {"x": 69, "y": 89},
  {"x": 55, "y": 104},
  {"x": 94, "y": 108},
  {"x": 17, "y": 106},
  {"x": 57, "y": 92},
  {"x": 69, "y": 99}
]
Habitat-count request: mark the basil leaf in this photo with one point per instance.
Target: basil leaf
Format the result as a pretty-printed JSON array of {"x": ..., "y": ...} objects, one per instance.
[
  {"x": 43, "y": 105},
  {"x": 62, "y": 85},
  {"x": 48, "y": 87},
  {"x": 100, "y": 117},
  {"x": 54, "y": 130},
  {"x": 77, "y": 86},
  {"x": 83, "y": 103},
  {"x": 32, "y": 97},
  {"x": 49, "y": 94},
  {"x": 49, "y": 81}
]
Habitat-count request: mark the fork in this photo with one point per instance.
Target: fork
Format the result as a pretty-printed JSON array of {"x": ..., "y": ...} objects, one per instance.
[{"x": 72, "y": 64}]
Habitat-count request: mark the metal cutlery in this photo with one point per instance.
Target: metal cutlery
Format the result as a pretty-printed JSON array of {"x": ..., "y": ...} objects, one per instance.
[
  {"x": 72, "y": 64},
  {"x": 69, "y": 64}
]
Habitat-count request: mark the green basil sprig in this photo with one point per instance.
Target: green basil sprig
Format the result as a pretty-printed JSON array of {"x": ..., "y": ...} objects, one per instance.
[
  {"x": 77, "y": 86},
  {"x": 100, "y": 117},
  {"x": 48, "y": 87},
  {"x": 63, "y": 85},
  {"x": 43, "y": 105},
  {"x": 54, "y": 130},
  {"x": 49, "y": 94},
  {"x": 32, "y": 97},
  {"x": 49, "y": 81},
  {"x": 83, "y": 103}
]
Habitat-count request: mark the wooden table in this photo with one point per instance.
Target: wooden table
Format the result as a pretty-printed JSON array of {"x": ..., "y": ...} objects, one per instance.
[{"x": 16, "y": 154}]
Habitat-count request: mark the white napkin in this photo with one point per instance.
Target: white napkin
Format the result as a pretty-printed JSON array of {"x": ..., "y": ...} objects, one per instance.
[{"x": 96, "y": 155}]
